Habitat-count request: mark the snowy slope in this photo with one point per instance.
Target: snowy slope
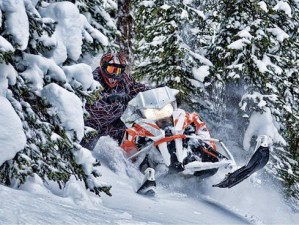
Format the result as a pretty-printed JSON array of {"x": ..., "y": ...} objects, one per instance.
[{"x": 179, "y": 201}]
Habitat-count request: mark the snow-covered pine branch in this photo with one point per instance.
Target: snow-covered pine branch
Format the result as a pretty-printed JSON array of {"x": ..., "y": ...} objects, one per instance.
[{"x": 43, "y": 89}]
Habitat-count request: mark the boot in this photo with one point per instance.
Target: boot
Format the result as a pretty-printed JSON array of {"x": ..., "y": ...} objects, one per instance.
[{"x": 148, "y": 186}]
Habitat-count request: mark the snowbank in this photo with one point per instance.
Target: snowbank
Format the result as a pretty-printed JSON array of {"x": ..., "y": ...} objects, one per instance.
[
  {"x": 178, "y": 200},
  {"x": 68, "y": 107},
  {"x": 12, "y": 137}
]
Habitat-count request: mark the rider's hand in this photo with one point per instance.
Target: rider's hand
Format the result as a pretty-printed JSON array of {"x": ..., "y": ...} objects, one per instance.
[
  {"x": 125, "y": 98},
  {"x": 119, "y": 98}
]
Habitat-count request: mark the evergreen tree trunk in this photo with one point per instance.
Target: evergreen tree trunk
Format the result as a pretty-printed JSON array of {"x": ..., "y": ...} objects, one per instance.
[{"x": 125, "y": 26}]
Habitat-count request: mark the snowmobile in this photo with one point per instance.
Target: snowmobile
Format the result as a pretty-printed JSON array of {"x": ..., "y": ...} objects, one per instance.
[{"x": 181, "y": 140}]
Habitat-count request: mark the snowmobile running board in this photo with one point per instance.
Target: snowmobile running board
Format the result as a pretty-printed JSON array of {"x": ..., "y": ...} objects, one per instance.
[{"x": 195, "y": 166}]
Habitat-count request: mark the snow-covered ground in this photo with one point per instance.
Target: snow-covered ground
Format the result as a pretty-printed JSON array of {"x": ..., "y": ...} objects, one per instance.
[{"x": 178, "y": 201}]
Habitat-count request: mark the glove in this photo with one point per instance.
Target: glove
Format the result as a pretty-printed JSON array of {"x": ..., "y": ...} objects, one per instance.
[{"x": 120, "y": 98}]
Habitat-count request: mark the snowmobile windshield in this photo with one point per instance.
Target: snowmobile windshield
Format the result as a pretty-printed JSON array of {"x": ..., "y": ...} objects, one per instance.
[
  {"x": 155, "y": 98},
  {"x": 152, "y": 104}
]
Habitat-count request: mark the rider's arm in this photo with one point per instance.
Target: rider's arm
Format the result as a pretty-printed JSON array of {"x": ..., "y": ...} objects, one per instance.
[
  {"x": 134, "y": 87},
  {"x": 103, "y": 114}
]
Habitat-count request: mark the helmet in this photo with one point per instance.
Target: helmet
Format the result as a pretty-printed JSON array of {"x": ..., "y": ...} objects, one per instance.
[{"x": 113, "y": 65}]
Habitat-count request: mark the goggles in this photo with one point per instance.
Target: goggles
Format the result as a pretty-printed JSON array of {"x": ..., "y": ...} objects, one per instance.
[{"x": 114, "y": 69}]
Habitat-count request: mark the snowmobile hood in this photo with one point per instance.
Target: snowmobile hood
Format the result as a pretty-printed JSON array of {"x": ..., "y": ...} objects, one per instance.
[{"x": 155, "y": 98}]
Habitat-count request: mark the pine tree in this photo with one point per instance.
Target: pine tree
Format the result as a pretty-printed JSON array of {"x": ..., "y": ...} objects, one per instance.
[
  {"x": 169, "y": 46},
  {"x": 288, "y": 13},
  {"x": 101, "y": 15},
  {"x": 52, "y": 151},
  {"x": 255, "y": 58}
]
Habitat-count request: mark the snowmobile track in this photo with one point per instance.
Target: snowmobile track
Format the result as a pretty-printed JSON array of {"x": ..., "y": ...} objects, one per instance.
[{"x": 244, "y": 217}]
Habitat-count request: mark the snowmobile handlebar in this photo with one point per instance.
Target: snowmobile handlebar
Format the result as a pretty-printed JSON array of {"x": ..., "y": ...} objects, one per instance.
[{"x": 146, "y": 148}]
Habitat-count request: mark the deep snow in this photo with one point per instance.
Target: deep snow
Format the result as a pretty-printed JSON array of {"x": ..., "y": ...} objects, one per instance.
[{"x": 178, "y": 201}]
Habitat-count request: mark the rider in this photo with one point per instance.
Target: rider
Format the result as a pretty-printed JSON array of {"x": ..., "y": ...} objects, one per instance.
[{"x": 118, "y": 89}]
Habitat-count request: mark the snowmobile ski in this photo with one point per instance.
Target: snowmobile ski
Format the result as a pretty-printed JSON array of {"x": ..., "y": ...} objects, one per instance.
[
  {"x": 148, "y": 188},
  {"x": 257, "y": 162},
  {"x": 149, "y": 185}
]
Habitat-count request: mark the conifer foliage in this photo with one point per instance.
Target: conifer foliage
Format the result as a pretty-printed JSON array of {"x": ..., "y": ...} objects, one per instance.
[
  {"x": 47, "y": 86},
  {"x": 255, "y": 58},
  {"x": 100, "y": 14},
  {"x": 168, "y": 50}
]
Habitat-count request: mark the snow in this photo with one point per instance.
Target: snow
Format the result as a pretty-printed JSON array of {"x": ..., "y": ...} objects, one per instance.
[
  {"x": 178, "y": 201},
  {"x": 239, "y": 44},
  {"x": 283, "y": 6},
  {"x": 157, "y": 40},
  {"x": 17, "y": 23},
  {"x": 264, "y": 63},
  {"x": 30, "y": 6},
  {"x": 184, "y": 14},
  {"x": 201, "y": 58},
  {"x": 147, "y": 3},
  {"x": 93, "y": 33},
  {"x": 5, "y": 46},
  {"x": 165, "y": 7},
  {"x": 199, "y": 13},
  {"x": 200, "y": 73},
  {"x": 68, "y": 107},
  {"x": 69, "y": 28},
  {"x": 8, "y": 77},
  {"x": 278, "y": 33},
  {"x": 187, "y": 2},
  {"x": 262, "y": 124},
  {"x": 79, "y": 75},
  {"x": 39, "y": 68},
  {"x": 263, "y": 6},
  {"x": 245, "y": 33},
  {"x": 12, "y": 137}
]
